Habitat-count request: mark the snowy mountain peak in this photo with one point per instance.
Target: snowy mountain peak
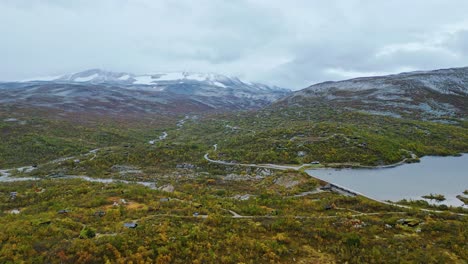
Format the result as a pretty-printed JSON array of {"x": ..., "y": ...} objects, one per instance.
[
  {"x": 210, "y": 78},
  {"x": 98, "y": 76},
  {"x": 174, "y": 92},
  {"x": 93, "y": 76}
]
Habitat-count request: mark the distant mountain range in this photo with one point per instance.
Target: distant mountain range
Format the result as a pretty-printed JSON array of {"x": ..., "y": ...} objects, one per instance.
[
  {"x": 414, "y": 94},
  {"x": 97, "y": 76},
  {"x": 420, "y": 95},
  {"x": 122, "y": 93}
]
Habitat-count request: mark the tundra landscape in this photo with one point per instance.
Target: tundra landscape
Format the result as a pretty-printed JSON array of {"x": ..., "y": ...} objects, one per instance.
[{"x": 323, "y": 158}]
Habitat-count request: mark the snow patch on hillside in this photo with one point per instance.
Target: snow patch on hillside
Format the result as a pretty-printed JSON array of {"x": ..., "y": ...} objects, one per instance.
[
  {"x": 219, "y": 84},
  {"x": 143, "y": 79},
  {"x": 172, "y": 76},
  {"x": 87, "y": 78},
  {"x": 197, "y": 77},
  {"x": 43, "y": 78},
  {"x": 124, "y": 77}
]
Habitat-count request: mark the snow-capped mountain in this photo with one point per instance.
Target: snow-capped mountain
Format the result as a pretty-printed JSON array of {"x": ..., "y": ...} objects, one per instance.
[
  {"x": 204, "y": 84},
  {"x": 160, "y": 92},
  {"x": 97, "y": 76},
  {"x": 428, "y": 93}
]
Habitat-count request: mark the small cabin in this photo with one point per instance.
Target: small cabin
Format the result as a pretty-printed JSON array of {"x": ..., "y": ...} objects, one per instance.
[{"x": 63, "y": 211}]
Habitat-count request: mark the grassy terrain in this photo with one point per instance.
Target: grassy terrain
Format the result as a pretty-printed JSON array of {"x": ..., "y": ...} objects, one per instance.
[
  {"x": 281, "y": 136},
  {"x": 217, "y": 213},
  {"x": 280, "y": 228},
  {"x": 35, "y": 137},
  {"x": 297, "y": 136}
]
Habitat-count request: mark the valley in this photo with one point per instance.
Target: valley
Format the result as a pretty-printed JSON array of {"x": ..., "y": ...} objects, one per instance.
[{"x": 215, "y": 170}]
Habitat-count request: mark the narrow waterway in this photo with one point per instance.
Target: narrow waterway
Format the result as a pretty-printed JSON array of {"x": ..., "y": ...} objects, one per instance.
[{"x": 5, "y": 177}]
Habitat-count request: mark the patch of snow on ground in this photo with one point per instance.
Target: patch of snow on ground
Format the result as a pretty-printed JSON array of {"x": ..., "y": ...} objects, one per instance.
[
  {"x": 219, "y": 84},
  {"x": 87, "y": 78},
  {"x": 144, "y": 79},
  {"x": 171, "y": 76},
  {"x": 198, "y": 77},
  {"x": 157, "y": 88},
  {"x": 124, "y": 77},
  {"x": 43, "y": 78}
]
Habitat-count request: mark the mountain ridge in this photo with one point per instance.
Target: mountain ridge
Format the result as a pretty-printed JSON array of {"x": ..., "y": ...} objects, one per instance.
[
  {"x": 436, "y": 93},
  {"x": 117, "y": 93},
  {"x": 98, "y": 76}
]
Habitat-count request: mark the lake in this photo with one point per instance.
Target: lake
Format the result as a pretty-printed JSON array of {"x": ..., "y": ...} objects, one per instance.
[{"x": 438, "y": 175}]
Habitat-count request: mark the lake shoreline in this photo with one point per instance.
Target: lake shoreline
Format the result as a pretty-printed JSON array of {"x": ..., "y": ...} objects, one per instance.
[{"x": 407, "y": 181}]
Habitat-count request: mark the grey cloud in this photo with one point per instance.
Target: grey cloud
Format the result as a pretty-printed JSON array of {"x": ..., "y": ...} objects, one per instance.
[{"x": 291, "y": 44}]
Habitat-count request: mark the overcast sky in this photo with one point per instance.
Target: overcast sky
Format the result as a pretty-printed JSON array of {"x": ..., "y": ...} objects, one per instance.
[{"x": 286, "y": 43}]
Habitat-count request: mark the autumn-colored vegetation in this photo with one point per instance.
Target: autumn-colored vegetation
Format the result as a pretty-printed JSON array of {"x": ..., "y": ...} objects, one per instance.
[
  {"x": 280, "y": 227},
  {"x": 201, "y": 212}
]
